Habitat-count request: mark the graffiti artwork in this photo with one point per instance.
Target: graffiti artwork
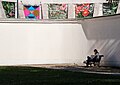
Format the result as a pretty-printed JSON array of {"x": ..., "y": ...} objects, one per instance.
[
  {"x": 9, "y": 9},
  {"x": 31, "y": 12},
  {"x": 84, "y": 10},
  {"x": 58, "y": 11},
  {"x": 110, "y": 8}
]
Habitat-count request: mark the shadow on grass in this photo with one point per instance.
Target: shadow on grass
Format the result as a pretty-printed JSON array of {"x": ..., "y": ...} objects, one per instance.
[{"x": 16, "y": 75}]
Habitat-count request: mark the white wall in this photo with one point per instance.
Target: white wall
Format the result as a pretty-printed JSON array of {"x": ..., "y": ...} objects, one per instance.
[
  {"x": 71, "y": 42},
  {"x": 104, "y": 34},
  {"x": 41, "y": 43}
]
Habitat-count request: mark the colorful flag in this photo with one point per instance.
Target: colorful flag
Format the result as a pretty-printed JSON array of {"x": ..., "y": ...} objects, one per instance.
[
  {"x": 58, "y": 11},
  {"x": 110, "y": 8},
  {"x": 31, "y": 12},
  {"x": 84, "y": 10},
  {"x": 9, "y": 9}
]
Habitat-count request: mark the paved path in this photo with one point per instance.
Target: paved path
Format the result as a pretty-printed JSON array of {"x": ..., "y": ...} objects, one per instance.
[
  {"x": 76, "y": 68},
  {"x": 111, "y": 73},
  {"x": 94, "y": 70}
]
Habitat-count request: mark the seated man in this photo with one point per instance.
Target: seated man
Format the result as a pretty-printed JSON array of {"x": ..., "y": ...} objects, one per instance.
[
  {"x": 96, "y": 55},
  {"x": 93, "y": 58},
  {"x": 88, "y": 60}
]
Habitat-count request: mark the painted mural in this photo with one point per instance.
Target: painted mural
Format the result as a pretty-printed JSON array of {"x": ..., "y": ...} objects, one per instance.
[
  {"x": 31, "y": 12},
  {"x": 110, "y": 8},
  {"x": 84, "y": 10},
  {"x": 9, "y": 9},
  {"x": 58, "y": 11}
]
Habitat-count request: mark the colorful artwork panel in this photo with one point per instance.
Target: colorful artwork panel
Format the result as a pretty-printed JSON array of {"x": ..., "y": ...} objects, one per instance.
[
  {"x": 9, "y": 9},
  {"x": 84, "y": 10},
  {"x": 110, "y": 8},
  {"x": 58, "y": 11},
  {"x": 31, "y": 12}
]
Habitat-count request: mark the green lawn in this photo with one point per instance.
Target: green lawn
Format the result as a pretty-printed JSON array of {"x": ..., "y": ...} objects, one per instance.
[{"x": 41, "y": 76}]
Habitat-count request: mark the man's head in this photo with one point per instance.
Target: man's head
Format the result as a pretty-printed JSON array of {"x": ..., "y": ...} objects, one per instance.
[{"x": 95, "y": 50}]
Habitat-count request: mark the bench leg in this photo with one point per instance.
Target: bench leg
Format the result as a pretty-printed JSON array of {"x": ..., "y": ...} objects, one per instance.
[
  {"x": 98, "y": 64},
  {"x": 87, "y": 64}
]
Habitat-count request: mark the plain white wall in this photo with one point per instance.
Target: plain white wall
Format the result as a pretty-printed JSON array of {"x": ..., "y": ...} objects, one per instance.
[
  {"x": 45, "y": 43},
  {"x": 41, "y": 43}
]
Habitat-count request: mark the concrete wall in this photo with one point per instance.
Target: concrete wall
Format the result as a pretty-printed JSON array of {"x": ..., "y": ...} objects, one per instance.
[
  {"x": 50, "y": 42},
  {"x": 41, "y": 43},
  {"x": 104, "y": 34}
]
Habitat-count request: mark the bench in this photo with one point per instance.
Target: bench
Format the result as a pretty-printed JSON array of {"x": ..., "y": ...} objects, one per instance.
[{"x": 92, "y": 60}]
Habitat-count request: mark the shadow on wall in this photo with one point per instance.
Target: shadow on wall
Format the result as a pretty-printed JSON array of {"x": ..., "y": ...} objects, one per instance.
[{"x": 104, "y": 34}]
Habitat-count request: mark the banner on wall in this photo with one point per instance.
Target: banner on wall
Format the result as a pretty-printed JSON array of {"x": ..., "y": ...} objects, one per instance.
[
  {"x": 84, "y": 10},
  {"x": 31, "y": 12},
  {"x": 9, "y": 9},
  {"x": 57, "y": 11},
  {"x": 110, "y": 8}
]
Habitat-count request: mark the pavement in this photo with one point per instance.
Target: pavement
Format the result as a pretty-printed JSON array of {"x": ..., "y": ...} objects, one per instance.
[{"x": 77, "y": 68}]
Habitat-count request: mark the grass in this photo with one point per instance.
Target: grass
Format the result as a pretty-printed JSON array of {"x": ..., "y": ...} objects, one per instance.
[{"x": 40, "y": 76}]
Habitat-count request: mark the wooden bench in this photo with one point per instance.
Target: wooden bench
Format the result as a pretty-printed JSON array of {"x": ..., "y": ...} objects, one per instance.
[{"x": 92, "y": 60}]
